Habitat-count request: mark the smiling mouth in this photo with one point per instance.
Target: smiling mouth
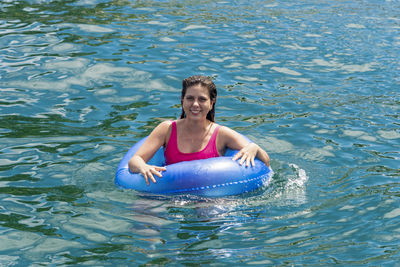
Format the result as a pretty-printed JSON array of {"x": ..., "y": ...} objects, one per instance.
[{"x": 195, "y": 111}]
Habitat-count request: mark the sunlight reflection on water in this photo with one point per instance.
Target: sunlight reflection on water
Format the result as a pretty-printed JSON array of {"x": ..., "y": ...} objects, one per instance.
[{"x": 315, "y": 84}]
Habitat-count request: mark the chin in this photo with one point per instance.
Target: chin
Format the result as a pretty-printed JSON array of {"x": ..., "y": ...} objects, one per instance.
[{"x": 197, "y": 117}]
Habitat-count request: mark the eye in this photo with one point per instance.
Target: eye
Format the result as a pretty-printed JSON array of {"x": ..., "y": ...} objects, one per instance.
[
  {"x": 190, "y": 98},
  {"x": 202, "y": 99}
]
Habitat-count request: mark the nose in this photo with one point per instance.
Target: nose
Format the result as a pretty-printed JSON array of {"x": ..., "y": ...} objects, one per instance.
[{"x": 196, "y": 102}]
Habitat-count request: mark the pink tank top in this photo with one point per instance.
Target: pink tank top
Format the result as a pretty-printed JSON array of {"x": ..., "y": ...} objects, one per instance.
[{"x": 173, "y": 155}]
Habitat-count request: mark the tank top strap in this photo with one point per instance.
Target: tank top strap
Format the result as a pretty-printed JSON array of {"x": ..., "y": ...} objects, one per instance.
[
  {"x": 173, "y": 138},
  {"x": 213, "y": 140}
]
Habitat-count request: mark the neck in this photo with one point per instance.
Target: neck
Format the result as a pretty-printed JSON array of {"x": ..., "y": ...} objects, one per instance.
[{"x": 197, "y": 126}]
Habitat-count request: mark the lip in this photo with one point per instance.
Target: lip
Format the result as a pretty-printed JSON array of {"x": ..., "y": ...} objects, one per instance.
[{"x": 195, "y": 111}]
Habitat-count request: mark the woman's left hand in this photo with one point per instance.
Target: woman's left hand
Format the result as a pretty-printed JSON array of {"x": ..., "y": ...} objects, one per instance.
[{"x": 247, "y": 154}]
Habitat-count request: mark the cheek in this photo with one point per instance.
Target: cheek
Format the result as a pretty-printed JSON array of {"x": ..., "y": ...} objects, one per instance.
[{"x": 185, "y": 104}]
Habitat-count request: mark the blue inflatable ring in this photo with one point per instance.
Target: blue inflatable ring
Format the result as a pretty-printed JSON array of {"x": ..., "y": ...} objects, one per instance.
[{"x": 213, "y": 177}]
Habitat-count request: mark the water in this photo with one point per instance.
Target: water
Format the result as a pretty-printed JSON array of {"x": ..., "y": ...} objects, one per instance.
[{"x": 315, "y": 83}]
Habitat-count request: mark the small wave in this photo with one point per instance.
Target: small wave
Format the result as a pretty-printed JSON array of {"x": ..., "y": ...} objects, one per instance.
[
  {"x": 287, "y": 187},
  {"x": 299, "y": 179},
  {"x": 295, "y": 188}
]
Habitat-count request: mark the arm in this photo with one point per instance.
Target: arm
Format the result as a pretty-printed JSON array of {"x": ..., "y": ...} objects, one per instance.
[
  {"x": 247, "y": 151},
  {"x": 138, "y": 163}
]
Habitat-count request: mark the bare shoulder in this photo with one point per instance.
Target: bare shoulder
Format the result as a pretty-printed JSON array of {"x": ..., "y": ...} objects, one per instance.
[
  {"x": 157, "y": 137},
  {"x": 165, "y": 125},
  {"x": 226, "y": 132},
  {"x": 225, "y": 135},
  {"x": 162, "y": 129},
  {"x": 230, "y": 138}
]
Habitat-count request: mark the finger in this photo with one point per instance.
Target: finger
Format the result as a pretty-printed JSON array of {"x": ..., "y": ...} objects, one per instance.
[
  {"x": 242, "y": 160},
  {"x": 236, "y": 156},
  {"x": 146, "y": 178},
  {"x": 161, "y": 169},
  {"x": 154, "y": 171},
  {"x": 248, "y": 162},
  {"x": 252, "y": 162},
  {"x": 152, "y": 178}
]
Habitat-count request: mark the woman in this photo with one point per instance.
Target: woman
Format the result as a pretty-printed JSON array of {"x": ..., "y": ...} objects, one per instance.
[{"x": 195, "y": 135}]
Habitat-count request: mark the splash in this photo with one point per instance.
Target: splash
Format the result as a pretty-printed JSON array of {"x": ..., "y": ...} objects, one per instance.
[
  {"x": 299, "y": 179},
  {"x": 295, "y": 188},
  {"x": 287, "y": 187}
]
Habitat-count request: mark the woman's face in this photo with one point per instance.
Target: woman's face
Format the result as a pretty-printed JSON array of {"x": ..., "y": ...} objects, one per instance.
[{"x": 197, "y": 103}]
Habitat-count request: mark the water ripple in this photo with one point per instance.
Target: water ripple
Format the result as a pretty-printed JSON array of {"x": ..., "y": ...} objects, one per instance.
[{"x": 315, "y": 84}]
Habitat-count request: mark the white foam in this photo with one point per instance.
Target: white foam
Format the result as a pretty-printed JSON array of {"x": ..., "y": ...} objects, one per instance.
[{"x": 300, "y": 179}]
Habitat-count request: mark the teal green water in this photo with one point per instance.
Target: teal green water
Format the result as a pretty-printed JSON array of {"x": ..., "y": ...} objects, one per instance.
[{"x": 315, "y": 83}]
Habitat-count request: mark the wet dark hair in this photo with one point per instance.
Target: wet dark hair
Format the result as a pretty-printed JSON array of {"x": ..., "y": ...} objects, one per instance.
[{"x": 203, "y": 81}]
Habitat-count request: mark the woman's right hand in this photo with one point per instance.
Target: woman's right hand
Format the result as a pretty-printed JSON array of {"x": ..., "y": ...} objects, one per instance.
[
  {"x": 138, "y": 165},
  {"x": 148, "y": 172}
]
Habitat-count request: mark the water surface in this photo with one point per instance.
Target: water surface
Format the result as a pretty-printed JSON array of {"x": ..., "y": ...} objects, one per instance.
[{"x": 315, "y": 83}]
